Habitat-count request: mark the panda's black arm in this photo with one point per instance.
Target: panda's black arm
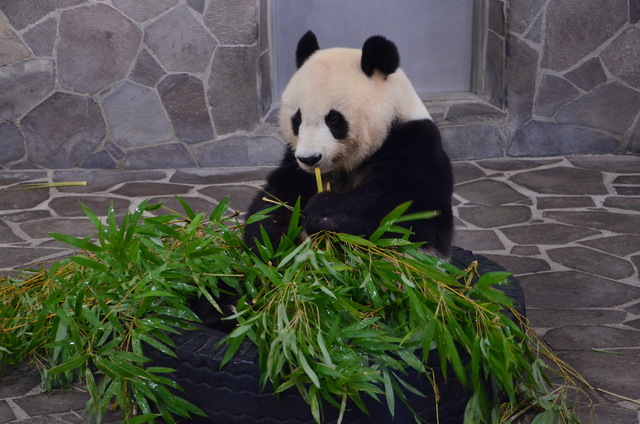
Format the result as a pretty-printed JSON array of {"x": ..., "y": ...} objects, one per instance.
[{"x": 284, "y": 184}]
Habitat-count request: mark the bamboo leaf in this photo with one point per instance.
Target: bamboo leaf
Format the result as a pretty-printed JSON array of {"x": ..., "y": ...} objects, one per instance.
[
  {"x": 70, "y": 364},
  {"x": 83, "y": 244},
  {"x": 389, "y": 392},
  {"x": 308, "y": 370}
]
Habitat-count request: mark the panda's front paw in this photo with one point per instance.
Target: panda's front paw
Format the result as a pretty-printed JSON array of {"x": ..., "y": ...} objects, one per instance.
[{"x": 321, "y": 214}]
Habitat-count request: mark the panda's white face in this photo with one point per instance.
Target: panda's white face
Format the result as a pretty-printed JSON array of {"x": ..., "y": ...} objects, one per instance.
[{"x": 334, "y": 116}]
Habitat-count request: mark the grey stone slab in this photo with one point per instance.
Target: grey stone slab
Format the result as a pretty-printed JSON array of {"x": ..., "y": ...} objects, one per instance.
[
  {"x": 29, "y": 215},
  {"x": 494, "y": 216},
  {"x": 622, "y": 57},
  {"x": 551, "y": 318},
  {"x": 221, "y": 175},
  {"x": 240, "y": 196},
  {"x": 627, "y": 191},
  {"x": 57, "y": 401},
  {"x": 535, "y": 32},
  {"x": 90, "y": 38},
  {"x": 12, "y": 143},
  {"x": 608, "y": 414},
  {"x": 610, "y": 107},
  {"x": 6, "y": 413},
  {"x": 546, "y": 234},
  {"x": 136, "y": 116},
  {"x": 148, "y": 189},
  {"x": 523, "y": 14},
  {"x": 115, "y": 151},
  {"x": 184, "y": 100},
  {"x": 592, "y": 261},
  {"x": 589, "y": 75},
  {"x": 507, "y": 164},
  {"x": 42, "y": 37},
  {"x": 173, "y": 155},
  {"x": 495, "y": 70},
  {"x": 233, "y": 23},
  {"x": 573, "y": 289},
  {"x": 19, "y": 257},
  {"x": 636, "y": 262},
  {"x": 582, "y": 337},
  {"x": 18, "y": 176},
  {"x": 180, "y": 42},
  {"x": 634, "y": 11},
  {"x": 7, "y": 235},
  {"x": 628, "y": 179},
  {"x": 522, "y": 68},
  {"x": 22, "y": 14},
  {"x": 264, "y": 71},
  {"x": 99, "y": 160},
  {"x": 564, "y": 48},
  {"x": 240, "y": 151},
  {"x": 12, "y": 49},
  {"x": 18, "y": 381},
  {"x": 562, "y": 180},
  {"x": 554, "y": 92},
  {"x": 472, "y": 112},
  {"x": 23, "y": 85},
  {"x": 548, "y": 138},
  {"x": 63, "y": 146},
  {"x": 518, "y": 265},
  {"x": 564, "y": 202},
  {"x": 146, "y": 71},
  {"x": 621, "y": 223},
  {"x": 142, "y": 10},
  {"x": 633, "y": 147},
  {"x": 197, "y": 5},
  {"x": 490, "y": 192},
  {"x": 617, "y": 245},
  {"x": 465, "y": 171},
  {"x": 633, "y": 309},
  {"x": 497, "y": 17},
  {"x": 598, "y": 368},
  {"x": 634, "y": 323},
  {"x": 98, "y": 181},
  {"x": 22, "y": 199},
  {"x": 478, "y": 240},
  {"x": 77, "y": 227},
  {"x": 233, "y": 89},
  {"x": 471, "y": 141},
  {"x": 608, "y": 163},
  {"x": 72, "y": 205},
  {"x": 525, "y": 250}
]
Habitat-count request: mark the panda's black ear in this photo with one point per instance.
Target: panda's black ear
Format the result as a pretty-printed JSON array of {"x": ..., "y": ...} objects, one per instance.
[
  {"x": 307, "y": 46},
  {"x": 379, "y": 54}
]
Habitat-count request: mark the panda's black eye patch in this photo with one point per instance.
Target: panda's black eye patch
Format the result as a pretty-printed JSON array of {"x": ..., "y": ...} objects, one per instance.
[
  {"x": 337, "y": 124},
  {"x": 296, "y": 120}
]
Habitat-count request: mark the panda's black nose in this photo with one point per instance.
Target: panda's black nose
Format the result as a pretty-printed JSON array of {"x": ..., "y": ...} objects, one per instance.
[{"x": 310, "y": 160}]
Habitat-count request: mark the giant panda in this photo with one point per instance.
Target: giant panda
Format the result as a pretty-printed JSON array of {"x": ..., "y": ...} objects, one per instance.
[{"x": 354, "y": 114}]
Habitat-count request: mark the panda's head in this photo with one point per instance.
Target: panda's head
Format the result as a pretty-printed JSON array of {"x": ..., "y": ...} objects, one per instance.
[{"x": 338, "y": 107}]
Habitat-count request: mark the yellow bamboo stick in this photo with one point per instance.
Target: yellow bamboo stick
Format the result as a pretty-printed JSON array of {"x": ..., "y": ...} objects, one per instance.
[{"x": 319, "y": 180}]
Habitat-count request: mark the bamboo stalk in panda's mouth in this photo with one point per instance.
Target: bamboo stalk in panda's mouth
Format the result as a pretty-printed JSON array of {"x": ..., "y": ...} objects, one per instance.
[{"x": 318, "y": 180}]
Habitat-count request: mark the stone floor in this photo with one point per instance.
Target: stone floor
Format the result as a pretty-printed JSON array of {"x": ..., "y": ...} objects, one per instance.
[{"x": 567, "y": 227}]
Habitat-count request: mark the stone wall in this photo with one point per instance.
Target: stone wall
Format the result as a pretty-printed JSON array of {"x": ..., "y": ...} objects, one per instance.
[
  {"x": 134, "y": 84},
  {"x": 138, "y": 84},
  {"x": 574, "y": 85},
  {"x": 571, "y": 82}
]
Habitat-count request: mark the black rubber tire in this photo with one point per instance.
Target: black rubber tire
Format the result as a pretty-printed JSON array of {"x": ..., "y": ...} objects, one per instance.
[{"x": 231, "y": 395}]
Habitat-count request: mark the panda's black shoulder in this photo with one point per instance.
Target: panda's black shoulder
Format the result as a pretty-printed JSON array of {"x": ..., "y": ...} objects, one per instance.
[
  {"x": 414, "y": 148},
  {"x": 413, "y": 137}
]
